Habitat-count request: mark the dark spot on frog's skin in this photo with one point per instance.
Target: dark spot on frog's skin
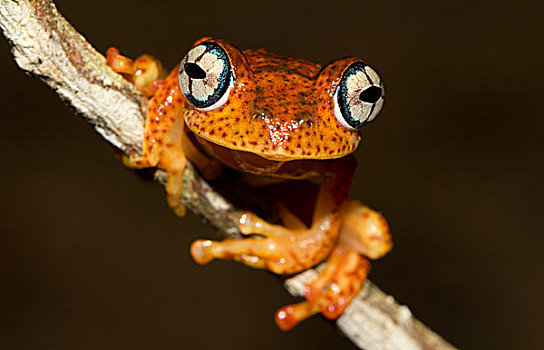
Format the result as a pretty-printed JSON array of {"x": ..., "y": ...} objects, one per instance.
[
  {"x": 224, "y": 135},
  {"x": 259, "y": 94},
  {"x": 212, "y": 132}
]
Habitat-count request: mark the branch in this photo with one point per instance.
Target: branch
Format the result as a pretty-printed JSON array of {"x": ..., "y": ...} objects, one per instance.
[{"x": 47, "y": 46}]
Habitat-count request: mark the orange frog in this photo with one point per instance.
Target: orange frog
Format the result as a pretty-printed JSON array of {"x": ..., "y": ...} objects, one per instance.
[{"x": 272, "y": 118}]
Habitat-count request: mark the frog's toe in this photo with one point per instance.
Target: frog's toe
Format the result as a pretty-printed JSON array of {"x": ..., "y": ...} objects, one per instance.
[
  {"x": 135, "y": 162},
  {"x": 119, "y": 63},
  {"x": 201, "y": 252},
  {"x": 179, "y": 210},
  {"x": 250, "y": 223},
  {"x": 289, "y": 316}
]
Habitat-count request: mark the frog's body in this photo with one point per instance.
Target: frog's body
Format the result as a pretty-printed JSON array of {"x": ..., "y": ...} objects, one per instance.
[{"x": 273, "y": 118}]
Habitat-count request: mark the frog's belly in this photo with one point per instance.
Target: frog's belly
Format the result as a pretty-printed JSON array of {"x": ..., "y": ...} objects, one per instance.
[{"x": 251, "y": 163}]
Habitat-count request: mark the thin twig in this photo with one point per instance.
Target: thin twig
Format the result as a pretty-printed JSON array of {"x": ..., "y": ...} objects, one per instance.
[{"x": 46, "y": 45}]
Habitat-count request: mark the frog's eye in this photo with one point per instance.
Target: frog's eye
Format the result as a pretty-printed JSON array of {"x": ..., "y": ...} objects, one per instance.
[
  {"x": 205, "y": 76},
  {"x": 359, "y": 96}
]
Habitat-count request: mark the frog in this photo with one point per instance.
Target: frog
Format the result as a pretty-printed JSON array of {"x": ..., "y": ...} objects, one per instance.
[{"x": 273, "y": 119}]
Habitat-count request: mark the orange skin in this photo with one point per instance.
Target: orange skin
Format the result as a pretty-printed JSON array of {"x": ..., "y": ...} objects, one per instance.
[{"x": 277, "y": 124}]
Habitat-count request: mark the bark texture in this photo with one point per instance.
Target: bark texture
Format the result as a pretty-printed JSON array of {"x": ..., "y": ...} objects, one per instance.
[{"x": 46, "y": 45}]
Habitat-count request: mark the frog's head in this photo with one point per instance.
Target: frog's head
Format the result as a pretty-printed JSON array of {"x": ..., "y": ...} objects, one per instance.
[{"x": 277, "y": 107}]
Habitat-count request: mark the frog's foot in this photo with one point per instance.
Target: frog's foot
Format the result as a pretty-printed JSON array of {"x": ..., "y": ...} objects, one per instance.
[
  {"x": 279, "y": 249},
  {"x": 331, "y": 291},
  {"x": 266, "y": 253},
  {"x": 146, "y": 72},
  {"x": 252, "y": 252}
]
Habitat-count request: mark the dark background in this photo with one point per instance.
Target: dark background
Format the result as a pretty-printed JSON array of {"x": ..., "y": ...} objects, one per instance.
[{"x": 91, "y": 257}]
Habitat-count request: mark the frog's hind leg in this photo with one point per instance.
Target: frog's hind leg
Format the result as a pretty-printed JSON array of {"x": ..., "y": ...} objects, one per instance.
[{"x": 363, "y": 234}]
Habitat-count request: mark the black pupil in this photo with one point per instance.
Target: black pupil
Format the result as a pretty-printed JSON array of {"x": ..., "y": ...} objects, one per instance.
[
  {"x": 371, "y": 94},
  {"x": 194, "y": 71}
]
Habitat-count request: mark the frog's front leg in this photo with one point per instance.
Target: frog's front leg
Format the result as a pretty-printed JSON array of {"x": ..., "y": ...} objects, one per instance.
[
  {"x": 163, "y": 138},
  {"x": 288, "y": 250},
  {"x": 163, "y": 134}
]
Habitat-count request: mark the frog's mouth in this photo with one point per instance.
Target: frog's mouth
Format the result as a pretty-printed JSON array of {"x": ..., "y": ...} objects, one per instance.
[
  {"x": 274, "y": 140},
  {"x": 253, "y": 163}
]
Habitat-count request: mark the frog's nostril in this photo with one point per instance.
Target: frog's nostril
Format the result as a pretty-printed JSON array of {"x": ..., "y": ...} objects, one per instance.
[
  {"x": 194, "y": 71},
  {"x": 371, "y": 94}
]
